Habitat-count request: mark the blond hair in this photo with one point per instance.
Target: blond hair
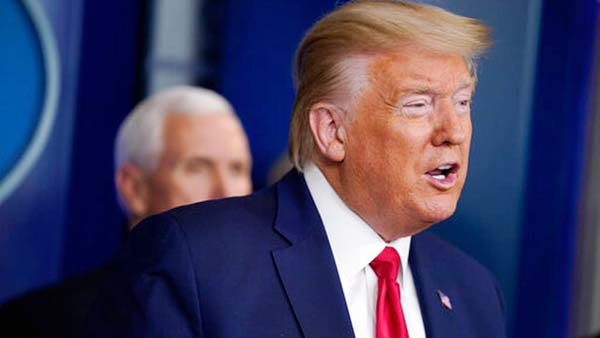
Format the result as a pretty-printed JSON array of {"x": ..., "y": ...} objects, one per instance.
[{"x": 362, "y": 28}]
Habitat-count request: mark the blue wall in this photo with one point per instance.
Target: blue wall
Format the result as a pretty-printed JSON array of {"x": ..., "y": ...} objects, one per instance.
[
  {"x": 558, "y": 144},
  {"x": 61, "y": 218},
  {"x": 31, "y": 215},
  {"x": 255, "y": 73},
  {"x": 108, "y": 88}
]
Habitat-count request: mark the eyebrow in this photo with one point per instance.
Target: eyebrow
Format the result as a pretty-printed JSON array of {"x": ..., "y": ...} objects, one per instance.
[
  {"x": 465, "y": 85},
  {"x": 212, "y": 160},
  {"x": 425, "y": 89}
]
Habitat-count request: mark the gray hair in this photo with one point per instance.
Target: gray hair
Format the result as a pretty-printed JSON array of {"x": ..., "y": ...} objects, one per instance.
[{"x": 140, "y": 137}]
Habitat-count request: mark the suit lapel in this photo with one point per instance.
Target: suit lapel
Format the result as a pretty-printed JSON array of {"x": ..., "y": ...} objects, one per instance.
[
  {"x": 307, "y": 268},
  {"x": 439, "y": 321}
]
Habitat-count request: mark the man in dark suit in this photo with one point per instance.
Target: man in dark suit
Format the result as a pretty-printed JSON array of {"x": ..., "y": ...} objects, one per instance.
[
  {"x": 179, "y": 146},
  {"x": 380, "y": 138}
]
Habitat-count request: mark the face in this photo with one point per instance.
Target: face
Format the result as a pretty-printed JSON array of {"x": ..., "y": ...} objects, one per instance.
[
  {"x": 203, "y": 157},
  {"x": 407, "y": 144}
]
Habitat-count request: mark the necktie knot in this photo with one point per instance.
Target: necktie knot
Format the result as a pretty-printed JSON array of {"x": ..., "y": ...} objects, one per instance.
[{"x": 386, "y": 264}]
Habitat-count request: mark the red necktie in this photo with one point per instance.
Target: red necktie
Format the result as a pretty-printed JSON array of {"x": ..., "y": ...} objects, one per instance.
[{"x": 390, "y": 318}]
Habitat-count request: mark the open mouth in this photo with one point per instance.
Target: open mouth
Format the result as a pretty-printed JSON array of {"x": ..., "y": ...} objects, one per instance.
[
  {"x": 443, "y": 171},
  {"x": 445, "y": 174}
]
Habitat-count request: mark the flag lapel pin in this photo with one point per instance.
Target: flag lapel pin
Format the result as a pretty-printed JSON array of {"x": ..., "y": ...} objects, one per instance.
[{"x": 444, "y": 300}]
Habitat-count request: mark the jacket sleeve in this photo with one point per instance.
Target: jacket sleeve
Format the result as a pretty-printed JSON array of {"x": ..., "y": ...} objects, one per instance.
[{"x": 152, "y": 292}]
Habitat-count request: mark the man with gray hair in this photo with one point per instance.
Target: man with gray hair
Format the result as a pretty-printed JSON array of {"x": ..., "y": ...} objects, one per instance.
[
  {"x": 180, "y": 146},
  {"x": 380, "y": 136}
]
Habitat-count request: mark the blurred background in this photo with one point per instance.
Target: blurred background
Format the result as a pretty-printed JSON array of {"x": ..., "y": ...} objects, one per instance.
[{"x": 70, "y": 70}]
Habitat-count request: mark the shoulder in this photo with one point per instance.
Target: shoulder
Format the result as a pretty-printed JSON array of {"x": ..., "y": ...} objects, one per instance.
[
  {"x": 444, "y": 255},
  {"x": 204, "y": 227},
  {"x": 455, "y": 269},
  {"x": 236, "y": 220},
  {"x": 234, "y": 212},
  {"x": 475, "y": 293}
]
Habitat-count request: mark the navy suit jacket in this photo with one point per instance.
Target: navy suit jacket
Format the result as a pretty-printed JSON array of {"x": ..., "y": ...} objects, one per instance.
[{"x": 261, "y": 266}]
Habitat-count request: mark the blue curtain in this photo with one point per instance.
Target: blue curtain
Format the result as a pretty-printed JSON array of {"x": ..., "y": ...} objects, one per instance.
[
  {"x": 109, "y": 85},
  {"x": 557, "y": 147},
  {"x": 258, "y": 44}
]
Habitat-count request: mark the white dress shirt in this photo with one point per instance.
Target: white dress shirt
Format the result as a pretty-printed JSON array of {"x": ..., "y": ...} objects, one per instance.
[{"x": 355, "y": 244}]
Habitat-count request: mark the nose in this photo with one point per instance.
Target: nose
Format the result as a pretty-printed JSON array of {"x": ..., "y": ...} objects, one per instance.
[
  {"x": 222, "y": 185},
  {"x": 218, "y": 184},
  {"x": 451, "y": 127}
]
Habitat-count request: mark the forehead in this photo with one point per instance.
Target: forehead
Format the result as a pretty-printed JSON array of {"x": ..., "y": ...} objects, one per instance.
[
  {"x": 217, "y": 135},
  {"x": 419, "y": 70}
]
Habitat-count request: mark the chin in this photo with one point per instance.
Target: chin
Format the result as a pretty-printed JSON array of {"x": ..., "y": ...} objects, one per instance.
[{"x": 437, "y": 212}]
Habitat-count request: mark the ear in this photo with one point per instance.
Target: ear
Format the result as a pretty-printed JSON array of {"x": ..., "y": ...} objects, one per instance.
[
  {"x": 327, "y": 127},
  {"x": 132, "y": 188}
]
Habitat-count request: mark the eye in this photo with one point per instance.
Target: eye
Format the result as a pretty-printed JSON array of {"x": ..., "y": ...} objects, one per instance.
[
  {"x": 417, "y": 106},
  {"x": 196, "y": 165},
  {"x": 237, "y": 168},
  {"x": 463, "y": 105}
]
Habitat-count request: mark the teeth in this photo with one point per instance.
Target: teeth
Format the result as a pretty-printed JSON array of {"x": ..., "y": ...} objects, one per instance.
[
  {"x": 439, "y": 177},
  {"x": 445, "y": 167}
]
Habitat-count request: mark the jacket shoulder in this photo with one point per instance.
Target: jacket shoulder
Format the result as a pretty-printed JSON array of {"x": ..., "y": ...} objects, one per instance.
[
  {"x": 475, "y": 293},
  {"x": 445, "y": 255},
  {"x": 225, "y": 218}
]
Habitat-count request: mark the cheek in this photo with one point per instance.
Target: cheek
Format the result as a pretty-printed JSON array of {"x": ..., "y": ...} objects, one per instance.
[
  {"x": 243, "y": 186},
  {"x": 191, "y": 185},
  {"x": 179, "y": 188},
  {"x": 161, "y": 195},
  {"x": 405, "y": 146},
  {"x": 386, "y": 152},
  {"x": 161, "y": 184}
]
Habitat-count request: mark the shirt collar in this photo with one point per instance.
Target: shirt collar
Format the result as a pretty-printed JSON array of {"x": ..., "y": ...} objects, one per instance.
[{"x": 353, "y": 242}]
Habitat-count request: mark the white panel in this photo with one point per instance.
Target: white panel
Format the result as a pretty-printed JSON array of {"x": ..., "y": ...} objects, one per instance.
[{"x": 177, "y": 36}]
